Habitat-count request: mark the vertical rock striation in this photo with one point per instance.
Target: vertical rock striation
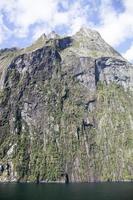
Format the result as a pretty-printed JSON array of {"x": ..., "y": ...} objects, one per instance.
[{"x": 66, "y": 111}]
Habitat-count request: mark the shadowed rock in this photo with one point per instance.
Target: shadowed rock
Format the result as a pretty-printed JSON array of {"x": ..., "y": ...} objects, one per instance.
[{"x": 66, "y": 106}]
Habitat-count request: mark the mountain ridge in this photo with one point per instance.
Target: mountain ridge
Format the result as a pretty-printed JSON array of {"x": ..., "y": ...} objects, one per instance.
[{"x": 66, "y": 108}]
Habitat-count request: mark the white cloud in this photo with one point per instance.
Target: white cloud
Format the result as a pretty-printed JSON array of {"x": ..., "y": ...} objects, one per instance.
[
  {"x": 77, "y": 17},
  {"x": 73, "y": 17},
  {"x": 4, "y": 31},
  {"x": 31, "y": 18},
  {"x": 116, "y": 27},
  {"x": 129, "y": 53},
  {"x": 24, "y": 14}
]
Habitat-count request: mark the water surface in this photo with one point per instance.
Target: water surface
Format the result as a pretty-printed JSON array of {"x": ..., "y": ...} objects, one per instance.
[{"x": 84, "y": 191}]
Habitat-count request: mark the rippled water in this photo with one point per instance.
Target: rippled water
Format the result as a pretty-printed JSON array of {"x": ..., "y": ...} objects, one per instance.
[{"x": 84, "y": 191}]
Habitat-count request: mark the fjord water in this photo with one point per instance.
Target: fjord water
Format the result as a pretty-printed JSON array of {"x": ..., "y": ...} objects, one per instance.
[{"x": 86, "y": 191}]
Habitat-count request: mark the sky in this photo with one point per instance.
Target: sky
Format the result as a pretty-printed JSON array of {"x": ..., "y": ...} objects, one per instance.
[{"x": 23, "y": 21}]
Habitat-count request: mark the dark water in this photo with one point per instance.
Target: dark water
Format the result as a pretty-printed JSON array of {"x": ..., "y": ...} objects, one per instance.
[{"x": 91, "y": 191}]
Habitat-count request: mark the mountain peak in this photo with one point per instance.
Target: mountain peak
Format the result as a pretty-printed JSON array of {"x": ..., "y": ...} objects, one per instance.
[
  {"x": 66, "y": 109},
  {"x": 87, "y": 32},
  {"x": 52, "y": 35},
  {"x": 86, "y": 42}
]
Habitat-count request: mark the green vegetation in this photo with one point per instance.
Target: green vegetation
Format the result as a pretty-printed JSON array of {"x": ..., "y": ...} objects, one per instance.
[
  {"x": 114, "y": 134},
  {"x": 47, "y": 127}
]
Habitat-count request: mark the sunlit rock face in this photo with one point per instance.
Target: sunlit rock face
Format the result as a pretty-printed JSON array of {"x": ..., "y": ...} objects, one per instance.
[
  {"x": 66, "y": 110},
  {"x": 112, "y": 70}
]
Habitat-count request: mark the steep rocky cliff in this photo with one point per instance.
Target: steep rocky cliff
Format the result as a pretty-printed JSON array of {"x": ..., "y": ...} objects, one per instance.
[{"x": 66, "y": 107}]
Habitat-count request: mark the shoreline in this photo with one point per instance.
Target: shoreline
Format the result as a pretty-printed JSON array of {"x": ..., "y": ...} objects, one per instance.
[{"x": 60, "y": 182}]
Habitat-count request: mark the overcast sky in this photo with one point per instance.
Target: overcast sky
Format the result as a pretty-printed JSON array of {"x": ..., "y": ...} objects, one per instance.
[{"x": 22, "y": 21}]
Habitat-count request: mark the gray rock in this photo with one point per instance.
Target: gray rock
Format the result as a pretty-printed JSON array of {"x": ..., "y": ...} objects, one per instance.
[
  {"x": 66, "y": 107},
  {"x": 110, "y": 70}
]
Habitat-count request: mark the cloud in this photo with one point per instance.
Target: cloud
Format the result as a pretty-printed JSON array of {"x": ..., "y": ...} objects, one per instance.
[
  {"x": 71, "y": 18},
  {"x": 4, "y": 31},
  {"x": 116, "y": 27},
  {"x": 43, "y": 15},
  {"x": 129, "y": 53},
  {"x": 24, "y": 13},
  {"x": 31, "y": 18}
]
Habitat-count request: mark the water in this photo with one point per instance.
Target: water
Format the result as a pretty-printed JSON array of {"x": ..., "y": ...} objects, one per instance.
[{"x": 88, "y": 191}]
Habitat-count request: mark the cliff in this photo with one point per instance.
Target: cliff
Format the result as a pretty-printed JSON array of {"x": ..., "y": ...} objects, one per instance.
[{"x": 66, "y": 108}]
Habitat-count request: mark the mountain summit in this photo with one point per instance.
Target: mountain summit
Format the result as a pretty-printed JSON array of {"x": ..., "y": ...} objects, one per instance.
[{"x": 66, "y": 111}]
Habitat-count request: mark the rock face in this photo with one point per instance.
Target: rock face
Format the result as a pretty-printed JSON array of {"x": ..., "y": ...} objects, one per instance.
[
  {"x": 66, "y": 108},
  {"x": 112, "y": 70}
]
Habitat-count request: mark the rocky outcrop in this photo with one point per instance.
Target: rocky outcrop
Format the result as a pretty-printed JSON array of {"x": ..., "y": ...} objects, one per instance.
[
  {"x": 110, "y": 70},
  {"x": 66, "y": 112}
]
